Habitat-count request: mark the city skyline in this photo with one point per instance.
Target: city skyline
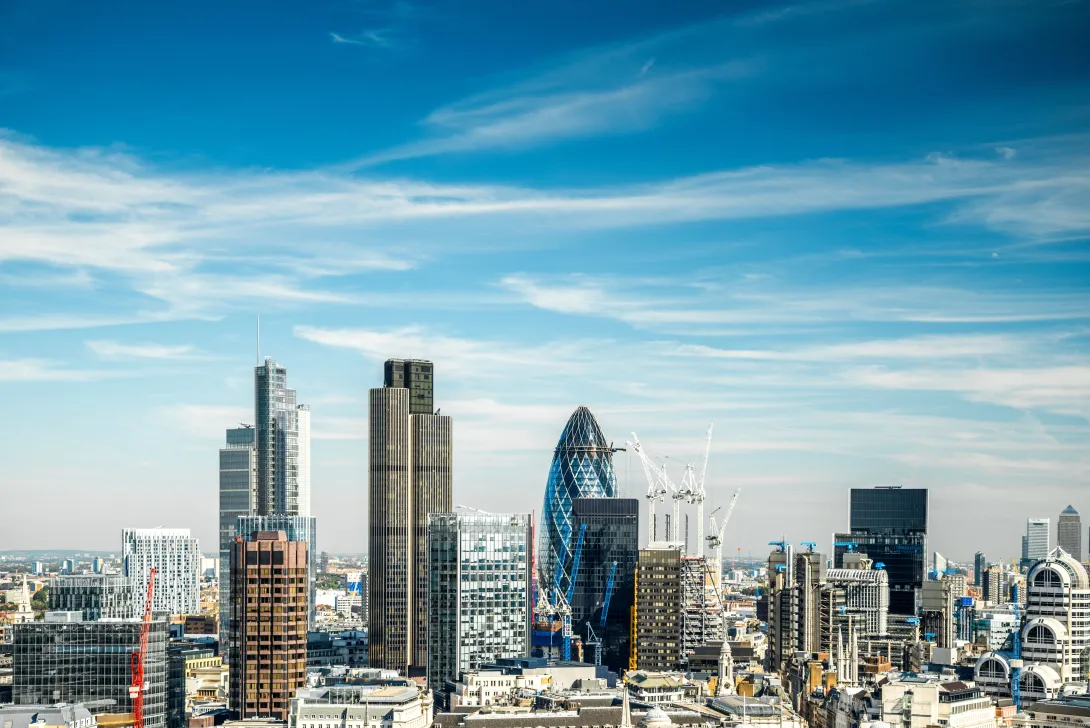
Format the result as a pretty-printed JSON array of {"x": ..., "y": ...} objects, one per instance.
[{"x": 867, "y": 266}]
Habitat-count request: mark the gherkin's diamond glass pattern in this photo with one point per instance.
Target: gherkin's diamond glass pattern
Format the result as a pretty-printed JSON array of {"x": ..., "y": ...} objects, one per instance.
[{"x": 582, "y": 467}]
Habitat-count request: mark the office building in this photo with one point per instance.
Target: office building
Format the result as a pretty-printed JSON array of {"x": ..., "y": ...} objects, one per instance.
[
  {"x": 854, "y": 597},
  {"x": 415, "y": 375},
  {"x": 94, "y": 596},
  {"x": 1035, "y": 544},
  {"x": 282, "y": 451},
  {"x": 657, "y": 611},
  {"x": 297, "y": 528},
  {"x": 479, "y": 595},
  {"x": 1055, "y": 635},
  {"x": 409, "y": 466},
  {"x": 794, "y": 604},
  {"x": 268, "y": 624},
  {"x": 889, "y": 524},
  {"x": 937, "y": 612},
  {"x": 238, "y": 497},
  {"x": 980, "y": 563},
  {"x": 302, "y": 422},
  {"x": 610, "y": 547},
  {"x": 582, "y": 467},
  {"x": 1069, "y": 532},
  {"x": 73, "y": 661},
  {"x": 994, "y": 586},
  {"x": 176, "y": 556},
  {"x": 357, "y": 706}
]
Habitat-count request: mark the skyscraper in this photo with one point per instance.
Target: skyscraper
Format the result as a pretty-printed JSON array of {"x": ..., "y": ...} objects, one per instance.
[
  {"x": 478, "y": 606},
  {"x": 409, "y": 478},
  {"x": 277, "y": 444},
  {"x": 297, "y": 528},
  {"x": 610, "y": 546},
  {"x": 582, "y": 467},
  {"x": 176, "y": 556},
  {"x": 238, "y": 497},
  {"x": 1069, "y": 532},
  {"x": 657, "y": 611},
  {"x": 1036, "y": 543},
  {"x": 302, "y": 419},
  {"x": 268, "y": 624},
  {"x": 980, "y": 563},
  {"x": 889, "y": 524}
]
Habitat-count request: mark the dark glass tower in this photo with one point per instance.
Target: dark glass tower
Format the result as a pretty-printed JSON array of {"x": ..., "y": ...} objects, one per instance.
[
  {"x": 889, "y": 524},
  {"x": 980, "y": 563},
  {"x": 582, "y": 467},
  {"x": 414, "y": 375},
  {"x": 612, "y": 536}
]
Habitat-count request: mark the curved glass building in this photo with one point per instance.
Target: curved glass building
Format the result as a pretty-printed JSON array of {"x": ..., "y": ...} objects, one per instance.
[{"x": 582, "y": 467}]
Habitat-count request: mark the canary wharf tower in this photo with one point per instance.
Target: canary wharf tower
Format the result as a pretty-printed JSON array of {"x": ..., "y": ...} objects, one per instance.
[{"x": 582, "y": 467}]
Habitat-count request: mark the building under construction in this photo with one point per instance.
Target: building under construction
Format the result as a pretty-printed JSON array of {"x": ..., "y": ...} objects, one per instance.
[{"x": 701, "y": 611}]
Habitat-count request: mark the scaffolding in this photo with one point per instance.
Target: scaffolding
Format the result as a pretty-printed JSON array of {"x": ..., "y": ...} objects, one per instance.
[{"x": 701, "y": 613}]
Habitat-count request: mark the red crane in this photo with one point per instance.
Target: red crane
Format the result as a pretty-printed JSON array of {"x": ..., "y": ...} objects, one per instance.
[{"x": 136, "y": 659}]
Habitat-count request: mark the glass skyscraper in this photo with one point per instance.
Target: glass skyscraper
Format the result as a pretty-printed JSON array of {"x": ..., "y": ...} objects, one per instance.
[
  {"x": 478, "y": 606},
  {"x": 582, "y": 467},
  {"x": 612, "y": 538},
  {"x": 238, "y": 497},
  {"x": 1069, "y": 532},
  {"x": 889, "y": 524},
  {"x": 283, "y": 463}
]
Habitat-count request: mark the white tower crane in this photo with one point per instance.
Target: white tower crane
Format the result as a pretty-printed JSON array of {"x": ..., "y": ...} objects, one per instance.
[
  {"x": 715, "y": 540},
  {"x": 693, "y": 489},
  {"x": 656, "y": 484}
]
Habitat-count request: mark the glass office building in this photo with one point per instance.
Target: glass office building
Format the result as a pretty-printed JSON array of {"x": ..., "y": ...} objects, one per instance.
[
  {"x": 238, "y": 497},
  {"x": 276, "y": 440},
  {"x": 479, "y": 591},
  {"x": 297, "y": 528},
  {"x": 80, "y": 662},
  {"x": 610, "y": 545},
  {"x": 889, "y": 524},
  {"x": 582, "y": 467},
  {"x": 95, "y": 596}
]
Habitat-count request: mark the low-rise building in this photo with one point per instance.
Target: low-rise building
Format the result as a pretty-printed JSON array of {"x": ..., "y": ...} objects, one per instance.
[
  {"x": 356, "y": 706},
  {"x": 919, "y": 702},
  {"x": 62, "y": 715},
  {"x": 1065, "y": 712}
]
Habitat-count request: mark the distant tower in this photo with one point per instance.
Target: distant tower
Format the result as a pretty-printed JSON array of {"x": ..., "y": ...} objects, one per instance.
[
  {"x": 1036, "y": 544},
  {"x": 238, "y": 497},
  {"x": 1069, "y": 532},
  {"x": 980, "y": 563}
]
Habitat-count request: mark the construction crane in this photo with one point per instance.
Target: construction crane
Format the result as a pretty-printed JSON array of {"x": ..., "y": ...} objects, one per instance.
[
  {"x": 608, "y": 596},
  {"x": 715, "y": 540},
  {"x": 810, "y": 546},
  {"x": 656, "y": 483},
  {"x": 781, "y": 544},
  {"x": 137, "y": 658},
  {"x": 692, "y": 489},
  {"x": 850, "y": 545},
  {"x": 563, "y": 601}
]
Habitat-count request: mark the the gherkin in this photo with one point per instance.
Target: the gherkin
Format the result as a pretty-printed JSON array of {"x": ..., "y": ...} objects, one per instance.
[{"x": 582, "y": 467}]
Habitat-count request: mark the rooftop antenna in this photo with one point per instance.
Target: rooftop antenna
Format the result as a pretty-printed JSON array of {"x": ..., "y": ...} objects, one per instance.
[{"x": 259, "y": 339}]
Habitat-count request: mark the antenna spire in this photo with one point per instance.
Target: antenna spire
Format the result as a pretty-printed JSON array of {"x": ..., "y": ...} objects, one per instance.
[{"x": 259, "y": 339}]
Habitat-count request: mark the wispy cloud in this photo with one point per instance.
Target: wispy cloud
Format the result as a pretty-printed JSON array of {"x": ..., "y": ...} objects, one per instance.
[
  {"x": 44, "y": 370},
  {"x": 369, "y": 37},
  {"x": 117, "y": 350},
  {"x": 203, "y": 421}
]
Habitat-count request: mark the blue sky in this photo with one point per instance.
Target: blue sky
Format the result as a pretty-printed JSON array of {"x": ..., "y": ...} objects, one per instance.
[{"x": 851, "y": 233}]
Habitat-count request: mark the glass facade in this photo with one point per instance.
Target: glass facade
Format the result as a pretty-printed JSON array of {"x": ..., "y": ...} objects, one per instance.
[
  {"x": 582, "y": 467},
  {"x": 96, "y": 596},
  {"x": 889, "y": 524},
  {"x": 77, "y": 662},
  {"x": 297, "y": 528},
  {"x": 238, "y": 497},
  {"x": 478, "y": 606},
  {"x": 415, "y": 375},
  {"x": 276, "y": 441},
  {"x": 612, "y": 536}
]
